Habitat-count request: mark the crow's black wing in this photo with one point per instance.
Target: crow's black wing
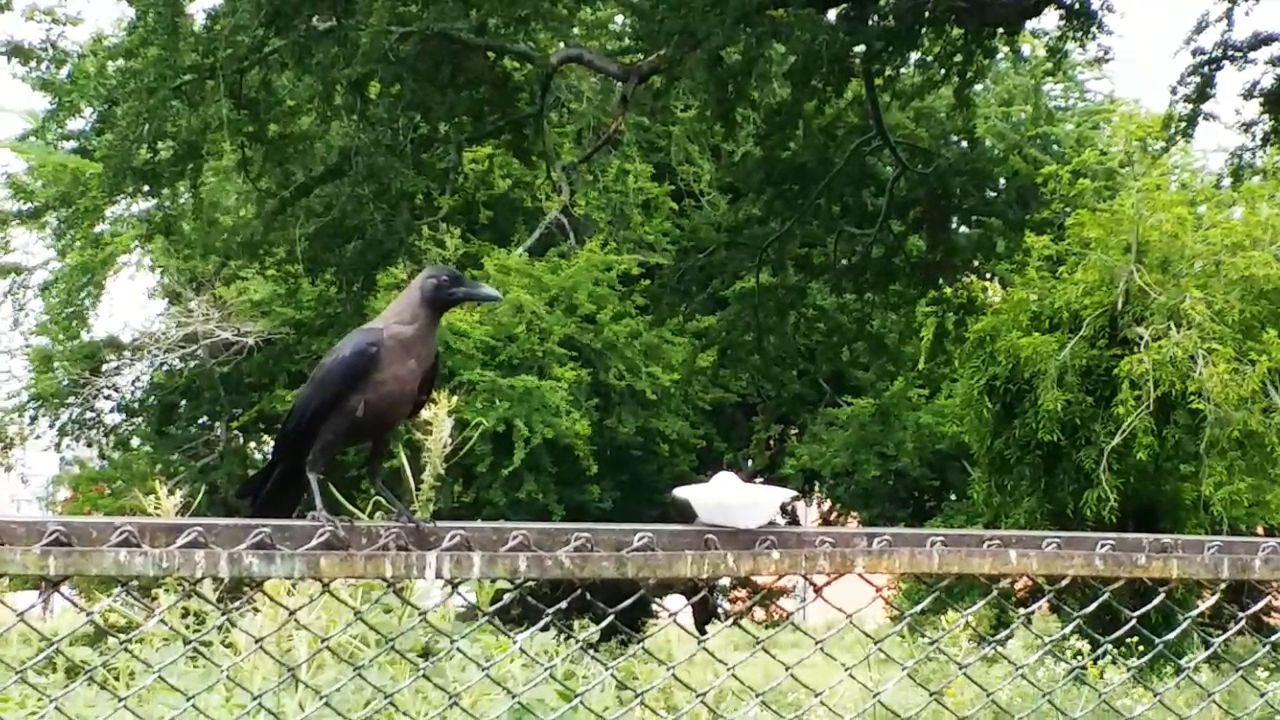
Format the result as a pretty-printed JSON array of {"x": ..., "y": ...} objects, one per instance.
[{"x": 336, "y": 376}]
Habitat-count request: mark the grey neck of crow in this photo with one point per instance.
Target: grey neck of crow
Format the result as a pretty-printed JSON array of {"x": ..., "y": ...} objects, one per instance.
[{"x": 407, "y": 309}]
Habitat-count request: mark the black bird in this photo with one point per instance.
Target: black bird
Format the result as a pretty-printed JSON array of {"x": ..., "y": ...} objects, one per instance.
[{"x": 378, "y": 376}]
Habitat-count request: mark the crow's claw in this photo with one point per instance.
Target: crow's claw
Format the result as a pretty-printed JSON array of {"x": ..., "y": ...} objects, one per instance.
[
  {"x": 327, "y": 519},
  {"x": 404, "y": 516}
]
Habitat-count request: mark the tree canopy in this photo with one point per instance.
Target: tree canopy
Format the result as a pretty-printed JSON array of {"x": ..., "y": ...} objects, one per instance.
[
  {"x": 898, "y": 252},
  {"x": 1216, "y": 44}
]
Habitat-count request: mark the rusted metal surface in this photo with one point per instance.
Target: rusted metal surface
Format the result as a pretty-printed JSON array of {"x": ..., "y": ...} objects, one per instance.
[
  {"x": 550, "y": 537},
  {"x": 318, "y": 564}
]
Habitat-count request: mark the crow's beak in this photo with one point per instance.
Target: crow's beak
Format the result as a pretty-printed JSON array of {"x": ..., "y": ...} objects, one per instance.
[{"x": 479, "y": 292}]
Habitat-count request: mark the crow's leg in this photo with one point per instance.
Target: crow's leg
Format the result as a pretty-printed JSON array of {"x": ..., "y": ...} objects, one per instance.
[
  {"x": 318, "y": 458},
  {"x": 374, "y": 469},
  {"x": 319, "y": 513}
]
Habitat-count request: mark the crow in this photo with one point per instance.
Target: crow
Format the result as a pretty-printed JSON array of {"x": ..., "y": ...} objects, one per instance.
[{"x": 378, "y": 376}]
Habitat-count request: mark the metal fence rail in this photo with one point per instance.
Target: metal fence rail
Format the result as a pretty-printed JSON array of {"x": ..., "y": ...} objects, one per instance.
[{"x": 211, "y": 618}]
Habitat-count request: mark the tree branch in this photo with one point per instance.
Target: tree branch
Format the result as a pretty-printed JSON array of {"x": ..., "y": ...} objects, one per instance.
[
  {"x": 597, "y": 63},
  {"x": 630, "y": 75},
  {"x": 879, "y": 137},
  {"x": 804, "y": 208},
  {"x": 196, "y": 330},
  {"x": 877, "y": 119},
  {"x": 566, "y": 188},
  {"x": 1000, "y": 14},
  {"x": 270, "y": 50}
]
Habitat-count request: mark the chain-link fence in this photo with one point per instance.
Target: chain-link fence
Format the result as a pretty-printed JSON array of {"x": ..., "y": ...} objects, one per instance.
[{"x": 217, "y": 619}]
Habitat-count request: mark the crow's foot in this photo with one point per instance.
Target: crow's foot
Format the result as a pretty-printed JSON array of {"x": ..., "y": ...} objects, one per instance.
[
  {"x": 404, "y": 516},
  {"x": 332, "y": 529},
  {"x": 330, "y": 520}
]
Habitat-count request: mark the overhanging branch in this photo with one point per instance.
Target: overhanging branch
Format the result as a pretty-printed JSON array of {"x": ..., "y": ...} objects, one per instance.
[
  {"x": 596, "y": 62},
  {"x": 630, "y": 75},
  {"x": 968, "y": 14},
  {"x": 876, "y": 113}
]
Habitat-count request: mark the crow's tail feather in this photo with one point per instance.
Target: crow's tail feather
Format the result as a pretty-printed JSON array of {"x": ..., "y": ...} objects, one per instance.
[
  {"x": 275, "y": 491},
  {"x": 255, "y": 483}
]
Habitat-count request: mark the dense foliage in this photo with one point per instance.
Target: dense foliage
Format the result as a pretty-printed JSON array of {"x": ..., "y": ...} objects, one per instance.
[{"x": 905, "y": 257}]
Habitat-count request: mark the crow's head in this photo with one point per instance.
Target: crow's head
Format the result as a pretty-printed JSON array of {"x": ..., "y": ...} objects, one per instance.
[{"x": 443, "y": 288}]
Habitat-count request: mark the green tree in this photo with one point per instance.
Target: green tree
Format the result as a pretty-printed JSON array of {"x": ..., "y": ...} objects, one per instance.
[
  {"x": 883, "y": 443},
  {"x": 281, "y": 168},
  {"x": 1125, "y": 379}
]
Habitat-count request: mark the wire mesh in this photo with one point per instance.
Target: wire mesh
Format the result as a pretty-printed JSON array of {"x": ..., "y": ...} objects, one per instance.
[{"x": 848, "y": 643}]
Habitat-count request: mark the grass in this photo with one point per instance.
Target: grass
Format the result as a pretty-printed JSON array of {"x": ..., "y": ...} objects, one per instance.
[{"x": 296, "y": 651}]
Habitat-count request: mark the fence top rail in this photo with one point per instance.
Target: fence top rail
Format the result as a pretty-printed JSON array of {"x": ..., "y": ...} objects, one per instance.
[
  {"x": 507, "y": 537},
  {"x": 459, "y": 566},
  {"x": 328, "y": 564},
  {"x": 224, "y": 548}
]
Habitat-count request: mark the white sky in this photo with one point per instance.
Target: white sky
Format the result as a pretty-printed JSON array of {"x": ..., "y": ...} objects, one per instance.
[{"x": 1147, "y": 36}]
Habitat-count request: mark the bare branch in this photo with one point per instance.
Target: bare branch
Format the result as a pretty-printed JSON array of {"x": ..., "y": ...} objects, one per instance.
[
  {"x": 197, "y": 331},
  {"x": 201, "y": 328},
  {"x": 12, "y": 268},
  {"x": 566, "y": 197}
]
